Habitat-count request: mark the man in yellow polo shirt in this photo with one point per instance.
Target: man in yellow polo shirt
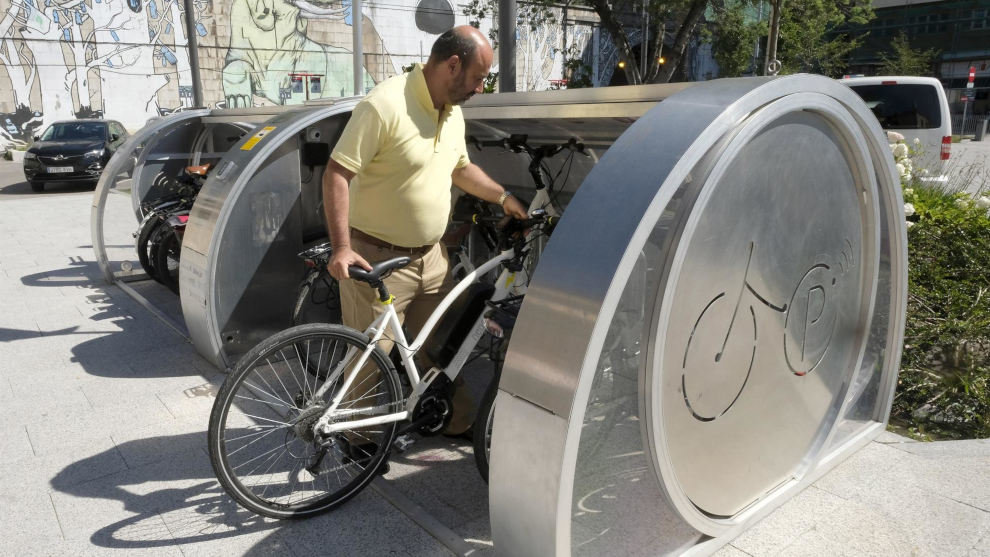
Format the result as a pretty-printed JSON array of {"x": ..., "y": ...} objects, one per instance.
[{"x": 386, "y": 190}]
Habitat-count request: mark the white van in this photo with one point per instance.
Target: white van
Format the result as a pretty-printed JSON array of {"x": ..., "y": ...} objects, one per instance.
[{"x": 915, "y": 107}]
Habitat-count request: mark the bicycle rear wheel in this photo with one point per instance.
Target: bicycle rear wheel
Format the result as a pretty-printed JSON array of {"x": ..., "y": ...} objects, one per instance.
[{"x": 262, "y": 442}]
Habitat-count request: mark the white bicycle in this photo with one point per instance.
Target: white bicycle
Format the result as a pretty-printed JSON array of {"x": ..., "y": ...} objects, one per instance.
[{"x": 293, "y": 432}]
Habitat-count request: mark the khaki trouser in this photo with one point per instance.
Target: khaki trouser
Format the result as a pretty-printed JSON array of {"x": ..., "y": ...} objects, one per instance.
[{"x": 418, "y": 289}]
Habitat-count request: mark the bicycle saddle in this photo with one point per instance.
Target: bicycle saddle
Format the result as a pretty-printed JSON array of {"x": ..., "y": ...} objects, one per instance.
[{"x": 378, "y": 270}]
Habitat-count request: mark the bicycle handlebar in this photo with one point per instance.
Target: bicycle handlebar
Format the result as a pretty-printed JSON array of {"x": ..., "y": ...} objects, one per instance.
[{"x": 519, "y": 143}]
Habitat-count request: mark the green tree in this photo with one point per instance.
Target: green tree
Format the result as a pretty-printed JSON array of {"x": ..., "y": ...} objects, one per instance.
[
  {"x": 733, "y": 33},
  {"x": 904, "y": 60},
  {"x": 813, "y": 37}
]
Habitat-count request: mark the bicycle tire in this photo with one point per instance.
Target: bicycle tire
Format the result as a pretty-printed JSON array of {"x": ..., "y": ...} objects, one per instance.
[
  {"x": 483, "y": 426},
  {"x": 143, "y": 246},
  {"x": 273, "y": 492},
  {"x": 167, "y": 254},
  {"x": 317, "y": 300}
]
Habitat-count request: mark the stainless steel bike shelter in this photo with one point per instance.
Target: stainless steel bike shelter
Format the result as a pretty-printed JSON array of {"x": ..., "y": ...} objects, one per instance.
[
  {"x": 152, "y": 156},
  {"x": 716, "y": 321}
]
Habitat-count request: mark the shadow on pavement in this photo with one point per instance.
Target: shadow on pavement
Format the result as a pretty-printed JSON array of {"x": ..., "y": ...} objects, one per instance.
[
  {"x": 23, "y": 188},
  {"x": 80, "y": 273},
  {"x": 197, "y": 510},
  {"x": 122, "y": 332}
]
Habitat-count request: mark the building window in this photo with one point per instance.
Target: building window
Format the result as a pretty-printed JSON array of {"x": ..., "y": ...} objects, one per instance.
[{"x": 979, "y": 20}]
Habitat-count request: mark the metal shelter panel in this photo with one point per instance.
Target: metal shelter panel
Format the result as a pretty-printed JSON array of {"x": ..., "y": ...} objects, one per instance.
[
  {"x": 261, "y": 203},
  {"x": 715, "y": 323}
]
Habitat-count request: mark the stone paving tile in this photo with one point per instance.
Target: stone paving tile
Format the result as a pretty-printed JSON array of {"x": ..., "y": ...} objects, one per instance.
[
  {"x": 364, "y": 526},
  {"x": 15, "y": 442},
  {"x": 782, "y": 527},
  {"x": 26, "y": 516},
  {"x": 948, "y": 449},
  {"x": 212, "y": 524},
  {"x": 937, "y": 524},
  {"x": 478, "y": 534},
  {"x": 128, "y": 509},
  {"x": 75, "y": 463},
  {"x": 982, "y": 547},
  {"x": 440, "y": 476},
  {"x": 193, "y": 401},
  {"x": 152, "y": 443},
  {"x": 729, "y": 551},
  {"x": 49, "y": 434}
]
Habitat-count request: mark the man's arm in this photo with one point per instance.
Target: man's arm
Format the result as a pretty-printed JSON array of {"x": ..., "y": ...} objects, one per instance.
[
  {"x": 473, "y": 180},
  {"x": 336, "y": 204}
]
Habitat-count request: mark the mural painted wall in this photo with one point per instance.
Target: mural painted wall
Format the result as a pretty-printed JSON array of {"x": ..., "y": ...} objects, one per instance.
[{"x": 128, "y": 59}]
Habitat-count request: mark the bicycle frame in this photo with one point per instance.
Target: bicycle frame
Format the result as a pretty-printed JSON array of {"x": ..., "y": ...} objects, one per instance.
[{"x": 389, "y": 319}]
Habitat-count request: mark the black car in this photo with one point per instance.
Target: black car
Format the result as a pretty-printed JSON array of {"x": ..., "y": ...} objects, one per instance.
[{"x": 72, "y": 151}]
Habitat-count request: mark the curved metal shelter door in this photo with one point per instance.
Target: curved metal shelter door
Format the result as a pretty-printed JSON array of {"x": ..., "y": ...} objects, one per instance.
[
  {"x": 716, "y": 321},
  {"x": 260, "y": 204}
]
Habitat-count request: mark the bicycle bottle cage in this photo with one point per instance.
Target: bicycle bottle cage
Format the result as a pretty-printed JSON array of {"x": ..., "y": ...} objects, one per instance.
[{"x": 456, "y": 323}]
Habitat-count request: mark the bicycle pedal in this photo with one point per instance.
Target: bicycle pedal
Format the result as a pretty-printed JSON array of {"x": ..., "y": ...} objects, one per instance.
[{"x": 403, "y": 442}]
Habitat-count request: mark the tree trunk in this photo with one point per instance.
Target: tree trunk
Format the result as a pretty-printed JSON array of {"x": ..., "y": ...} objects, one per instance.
[
  {"x": 620, "y": 39},
  {"x": 682, "y": 39}
]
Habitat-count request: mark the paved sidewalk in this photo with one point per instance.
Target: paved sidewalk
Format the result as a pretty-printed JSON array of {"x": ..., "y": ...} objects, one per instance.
[{"x": 103, "y": 412}]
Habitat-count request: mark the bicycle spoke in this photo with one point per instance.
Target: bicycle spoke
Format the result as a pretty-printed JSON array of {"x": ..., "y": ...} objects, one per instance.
[
  {"x": 242, "y": 447},
  {"x": 272, "y": 459}
]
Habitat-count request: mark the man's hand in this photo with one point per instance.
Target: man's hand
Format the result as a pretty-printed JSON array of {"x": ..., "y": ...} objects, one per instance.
[
  {"x": 342, "y": 259},
  {"x": 514, "y": 208}
]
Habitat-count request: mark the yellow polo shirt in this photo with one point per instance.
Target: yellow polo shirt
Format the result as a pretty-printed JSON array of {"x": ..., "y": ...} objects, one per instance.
[{"x": 402, "y": 152}]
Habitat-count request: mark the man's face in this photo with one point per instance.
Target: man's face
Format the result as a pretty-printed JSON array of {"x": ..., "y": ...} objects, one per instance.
[{"x": 469, "y": 80}]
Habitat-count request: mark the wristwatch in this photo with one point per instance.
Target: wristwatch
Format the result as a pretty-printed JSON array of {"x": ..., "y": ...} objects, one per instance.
[{"x": 501, "y": 199}]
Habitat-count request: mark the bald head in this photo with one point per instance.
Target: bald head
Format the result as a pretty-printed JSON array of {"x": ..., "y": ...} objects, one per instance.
[
  {"x": 459, "y": 63},
  {"x": 463, "y": 41}
]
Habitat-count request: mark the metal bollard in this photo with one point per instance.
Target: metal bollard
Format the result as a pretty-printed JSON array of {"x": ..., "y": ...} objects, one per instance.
[{"x": 981, "y": 130}]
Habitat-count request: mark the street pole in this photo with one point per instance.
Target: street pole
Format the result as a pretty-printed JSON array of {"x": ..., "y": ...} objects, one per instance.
[
  {"x": 358, "y": 47},
  {"x": 966, "y": 98},
  {"x": 771, "y": 64},
  {"x": 507, "y": 46},
  {"x": 192, "y": 43},
  {"x": 644, "y": 44}
]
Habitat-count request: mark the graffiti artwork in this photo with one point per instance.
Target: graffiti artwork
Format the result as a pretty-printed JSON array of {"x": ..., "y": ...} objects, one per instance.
[{"x": 129, "y": 59}]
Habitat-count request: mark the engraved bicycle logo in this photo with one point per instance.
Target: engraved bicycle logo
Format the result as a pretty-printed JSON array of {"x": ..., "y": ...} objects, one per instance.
[{"x": 712, "y": 380}]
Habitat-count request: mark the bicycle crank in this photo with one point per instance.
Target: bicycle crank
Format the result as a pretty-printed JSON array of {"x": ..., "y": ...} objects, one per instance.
[{"x": 431, "y": 416}]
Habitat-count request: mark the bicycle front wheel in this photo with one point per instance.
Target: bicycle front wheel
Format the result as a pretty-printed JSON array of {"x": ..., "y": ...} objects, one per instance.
[{"x": 263, "y": 444}]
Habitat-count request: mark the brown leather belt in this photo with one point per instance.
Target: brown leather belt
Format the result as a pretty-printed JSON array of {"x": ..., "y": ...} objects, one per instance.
[{"x": 369, "y": 239}]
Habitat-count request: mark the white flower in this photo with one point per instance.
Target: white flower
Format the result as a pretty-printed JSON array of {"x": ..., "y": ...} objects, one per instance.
[
  {"x": 900, "y": 150},
  {"x": 908, "y": 223},
  {"x": 917, "y": 142},
  {"x": 894, "y": 136},
  {"x": 908, "y": 209},
  {"x": 908, "y": 164},
  {"x": 962, "y": 203},
  {"x": 908, "y": 192},
  {"x": 983, "y": 202},
  {"x": 900, "y": 169},
  {"x": 923, "y": 171}
]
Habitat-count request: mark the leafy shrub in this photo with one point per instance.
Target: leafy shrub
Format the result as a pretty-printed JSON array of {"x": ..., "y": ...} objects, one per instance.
[{"x": 944, "y": 384}]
